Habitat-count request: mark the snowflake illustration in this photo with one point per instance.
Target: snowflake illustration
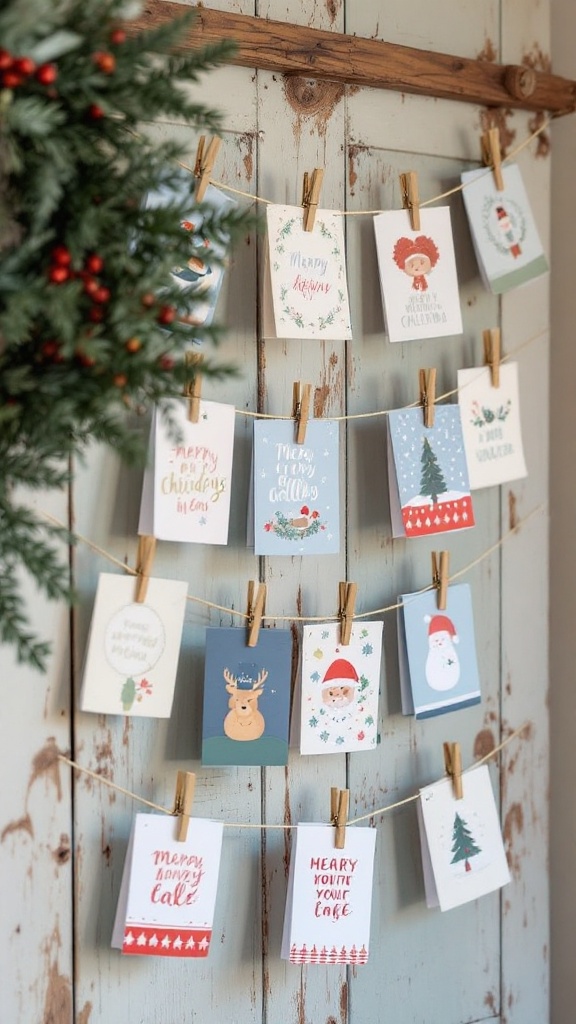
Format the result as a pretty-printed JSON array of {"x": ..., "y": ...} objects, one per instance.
[
  {"x": 364, "y": 633},
  {"x": 324, "y": 736},
  {"x": 315, "y": 677},
  {"x": 367, "y": 649},
  {"x": 339, "y": 741},
  {"x": 313, "y": 722},
  {"x": 325, "y": 634},
  {"x": 369, "y": 720}
]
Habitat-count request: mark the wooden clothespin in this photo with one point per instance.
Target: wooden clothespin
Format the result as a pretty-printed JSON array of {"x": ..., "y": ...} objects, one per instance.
[
  {"x": 427, "y": 380},
  {"x": 144, "y": 562},
  {"x": 492, "y": 155},
  {"x": 193, "y": 390},
  {"x": 256, "y": 605},
  {"x": 183, "y": 800},
  {"x": 301, "y": 397},
  {"x": 339, "y": 799},
  {"x": 347, "y": 594},
  {"x": 440, "y": 564},
  {"x": 311, "y": 196},
  {"x": 411, "y": 197},
  {"x": 453, "y": 766},
  {"x": 205, "y": 159},
  {"x": 492, "y": 353}
]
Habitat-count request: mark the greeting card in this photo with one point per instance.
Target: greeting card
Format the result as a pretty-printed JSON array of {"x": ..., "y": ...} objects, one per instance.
[
  {"x": 329, "y": 897},
  {"x": 437, "y": 653},
  {"x": 427, "y": 473},
  {"x": 491, "y": 426},
  {"x": 305, "y": 288},
  {"x": 296, "y": 489},
  {"x": 462, "y": 850},
  {"x": 504, "y": 233},
  {"x": 133, "y": 648},
  {"x": 418, "y": 274},
  {"x": 187, "y": 482},
  {"x": 168, "y": 891},
  {"x": 246, "y": 697},
  {"x": 340, "y": 687}
]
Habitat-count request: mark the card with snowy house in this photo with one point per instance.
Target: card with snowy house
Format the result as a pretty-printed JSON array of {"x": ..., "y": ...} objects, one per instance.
[
  {"x": 246, "y": 697},
  {"x": 491, "y": 425},
  {"x": 133, "y": 647},
  {"x": 305, "y": 287},
  {"x": 329, "y": 897},
  {"x": 418, "y": 275},
  {"x": 463, "y": 854},
  {"x": 340, "y": 688},
  {"x": 187, "y": 482},
  {"x": 505, "y": 236},
  {"x": 437, "y": 653},
  {"x": 296, "y": 489},
  {"x": 428, "y": 473},
  {"x": 168, "y": 891}
]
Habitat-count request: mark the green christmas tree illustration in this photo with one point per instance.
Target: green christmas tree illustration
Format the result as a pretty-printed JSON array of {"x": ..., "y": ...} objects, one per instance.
[
  {"x": 432, "y": 481},
  {"x": 463, "y": 845}
]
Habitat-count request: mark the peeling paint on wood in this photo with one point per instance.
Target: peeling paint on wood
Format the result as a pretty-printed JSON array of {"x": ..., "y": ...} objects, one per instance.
[
  {"x": 85, "y": 1014},
  {"x": 310, "y": 97},
  {"x": 497, "y": 117},
  {"x": 23, "y": 824},
  {"x": 46, "y": 763}
]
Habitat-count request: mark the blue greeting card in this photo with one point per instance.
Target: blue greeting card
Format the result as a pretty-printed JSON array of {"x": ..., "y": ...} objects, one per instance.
[
  {"x": 296, "y": 489},
  {"x": 246, "y": 697}
]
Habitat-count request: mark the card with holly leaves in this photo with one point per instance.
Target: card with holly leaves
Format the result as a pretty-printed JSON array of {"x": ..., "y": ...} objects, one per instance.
[
  {"x": 133, "y": 648},
  {"x": 491, "y": 425}
]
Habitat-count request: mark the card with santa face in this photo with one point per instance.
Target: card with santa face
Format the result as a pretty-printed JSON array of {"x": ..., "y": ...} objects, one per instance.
[
  {"x": 463, "y": 855},
  {"x": 491, "y": 425},
  {"x": 246, "y": 697},
  {"x": 418, "y": 275},
  {"x": 428, "y": 473},
  {"x": 329, "y": 897},
  {"x": 168, "y": 891},
  {"x": 506, "y": 240},
  {"x": 340, "y": 688},
  {"x": 305, "y": 288},
  {"x": 437, "y": 649}
]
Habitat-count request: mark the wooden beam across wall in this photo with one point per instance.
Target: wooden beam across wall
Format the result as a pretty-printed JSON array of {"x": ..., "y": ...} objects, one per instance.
[{"x": 298, "y": 50}]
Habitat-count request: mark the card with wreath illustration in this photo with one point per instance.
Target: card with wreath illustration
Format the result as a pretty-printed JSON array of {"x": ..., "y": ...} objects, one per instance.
[{"x": 491, "y": 426}]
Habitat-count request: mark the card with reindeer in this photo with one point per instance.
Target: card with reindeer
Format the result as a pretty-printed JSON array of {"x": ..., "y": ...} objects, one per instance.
[
  {"x": 246, "y": 697},
  {"x": 491, "y": 425}
]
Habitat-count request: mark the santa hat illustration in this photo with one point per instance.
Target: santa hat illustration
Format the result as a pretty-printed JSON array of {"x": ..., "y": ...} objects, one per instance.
[
  {"x": 406, "y": 248},
  {"x": 341, "y": 671},
  {"x": 441, "y": 624}
]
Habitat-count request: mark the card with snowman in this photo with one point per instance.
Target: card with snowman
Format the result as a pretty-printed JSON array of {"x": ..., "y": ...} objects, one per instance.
[
  {"x": 437, "y": 653},
  {"x": 491, "y": 425},
  {"x": 340, "y": 688}
]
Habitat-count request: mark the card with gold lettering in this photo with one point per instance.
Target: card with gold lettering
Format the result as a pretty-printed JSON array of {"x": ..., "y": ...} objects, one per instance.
[
  {"x": 168, "y": 891},
  {"x": 491, "y": 426}
]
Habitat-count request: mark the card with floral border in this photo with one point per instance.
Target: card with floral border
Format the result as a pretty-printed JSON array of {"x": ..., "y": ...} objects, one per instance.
[
  {"x": 296, "y": 489},
  {"x": 491, "y": 426},
  {"x": 340, "y": 688},
  {"x": 168, "y": 891},
  {"x": 305, "y": 287}
]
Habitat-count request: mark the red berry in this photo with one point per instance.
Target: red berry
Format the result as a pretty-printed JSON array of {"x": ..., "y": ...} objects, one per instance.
[
  {"x": 118, "y": 36},
  {"x": 101, "y": 294},
  {"x": 83, "y": 358},
  {"x": 58, "y": 275},
  {"x": 120, "y": 380},
  {"x": 148, "y": 300},
  {"x": 11, "y": 79},
  {"x": 6, "y": 60},
  {"x": 166, "y": 315},
  {"x": 133, "y": 345},
  {"x": 25, "y": 65},
  {"x": 61, "y": 256},
  {"x": 91, "y": 286},
  {"x": 94, "y": 264},
  {"x": 46, "y": 74},
  {"x": 50, "y": 349},
  {"x": 166, "y": 363},
  {"x": 96, "y": 314},
  {"x": 105, "y": 62},
  {"x": 95, "y": 112}
]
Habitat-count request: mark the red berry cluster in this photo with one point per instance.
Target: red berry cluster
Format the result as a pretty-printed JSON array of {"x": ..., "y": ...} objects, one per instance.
[
  {"x": 61, "y": 270},
  {"x": 14, "y": 71}
]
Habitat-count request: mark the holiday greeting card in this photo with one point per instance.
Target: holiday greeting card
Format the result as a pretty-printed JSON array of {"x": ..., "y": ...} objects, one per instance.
[
  {"x": 168, "y": 892},
  {"x": 462, "y": 850},
  {"x": 340, "y": 687},
  {"x": 133, "y": 648},
  {"x": 305, "y": 289},
  {"x": 505, "y": 237},
  {"x": 427, "y": 473},
  {"x": 246, "y": 697},
  {"x": 187, "y": 482},
  {"x": 329, "y": 897},
  {"x": 491, "y": 425},
  {"x": 418, "y": 274},
  {"x": 296, "y": 489},
  {"x": 438, "y": 663}
]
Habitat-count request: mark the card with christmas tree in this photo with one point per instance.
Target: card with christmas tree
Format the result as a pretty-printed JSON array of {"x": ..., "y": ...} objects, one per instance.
[
  {"x": 437, "y": 653},
  {"x": 329, "y": 897},
  {"x": 427, "y": 473},
  {"x": 168, "y": 891},
  {"x": 491, "y": 425},
  {"x": 133, "y": 647},
  {"x": 463, "y": 854},
  {"x": 340, "y": 688},
  {"x": 305, "y": 287}
]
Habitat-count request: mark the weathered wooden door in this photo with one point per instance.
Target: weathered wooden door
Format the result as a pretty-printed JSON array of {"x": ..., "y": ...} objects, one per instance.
[{"x": 63, "y": 837}]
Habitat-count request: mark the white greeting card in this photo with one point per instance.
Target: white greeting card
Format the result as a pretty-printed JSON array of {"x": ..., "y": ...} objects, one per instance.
[
  {"x": 305, "y": 287},
  {"x": 133, "y": 648},
  {"x": 491, "y": 426},
  {"x": 329, "y": 897},
  {"x": 168, "y": 892},
  {"x": 340, "y": 688},
  {"x": 463, "y": 854},
  {"x": 187, "y": 482},
  {"x": 418, "y": 275}
]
